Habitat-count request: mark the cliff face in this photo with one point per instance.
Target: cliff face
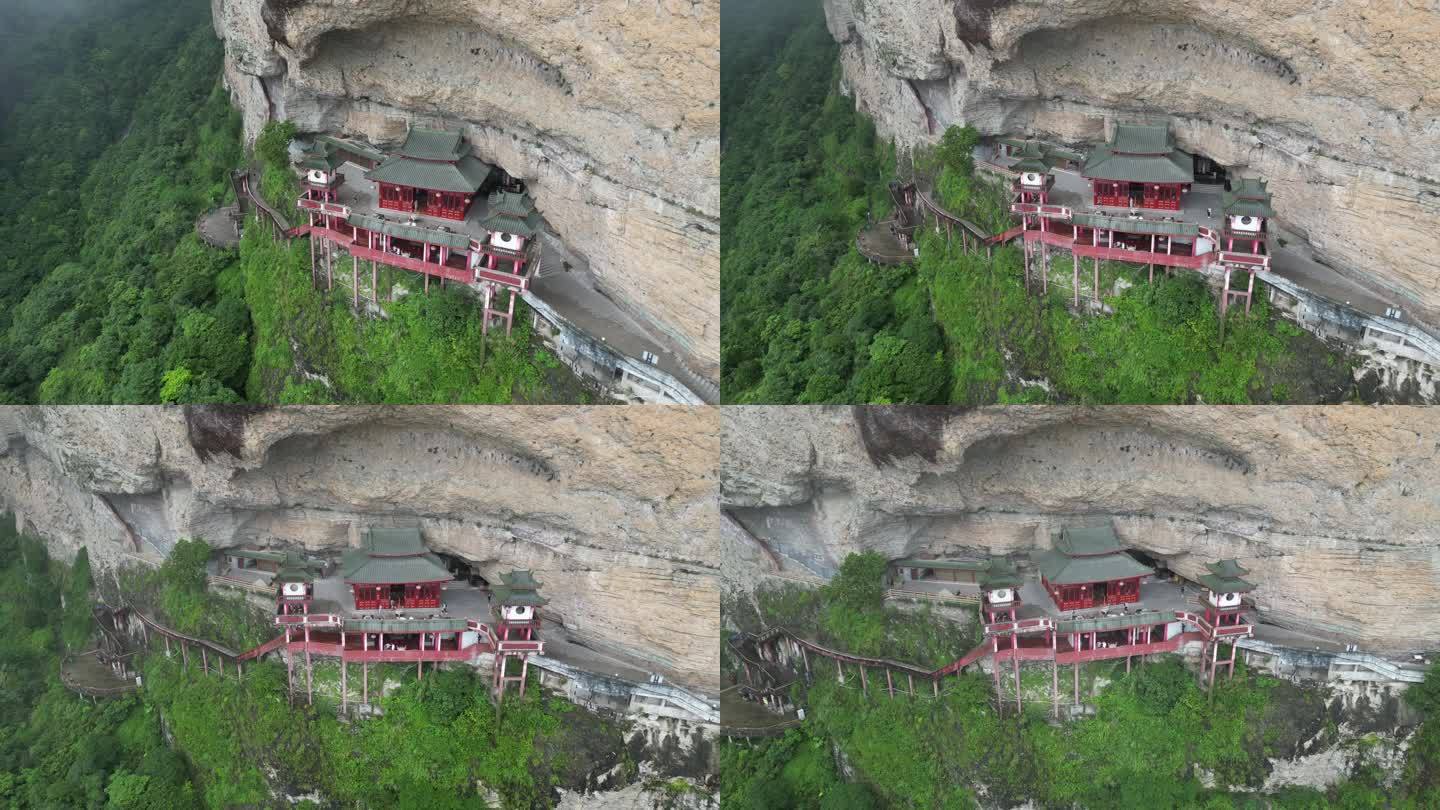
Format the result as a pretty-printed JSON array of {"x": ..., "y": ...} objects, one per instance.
[
  {"x": 1335, "y": 103},
  {"x": 613, "y": 508},
  {"x": 1332, "y": 508},
  {"x": 608, "y": 111}
]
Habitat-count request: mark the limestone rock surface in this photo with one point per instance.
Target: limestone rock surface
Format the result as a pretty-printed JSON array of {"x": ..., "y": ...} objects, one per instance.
[
  {"x": 609, "y": 110},
  {"x": 1336, "y": 103},
  {"x": 612, "y": 508},
  {"x": 1334, "y": 509}
]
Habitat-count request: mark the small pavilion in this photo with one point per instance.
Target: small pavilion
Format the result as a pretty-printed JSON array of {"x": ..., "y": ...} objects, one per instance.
[
  {"x": 320, "y": 165},
  {"x": 1088, "y": 568},
  {"x": 393, "y": 569},
  {"x": 1247, "y": 208}
]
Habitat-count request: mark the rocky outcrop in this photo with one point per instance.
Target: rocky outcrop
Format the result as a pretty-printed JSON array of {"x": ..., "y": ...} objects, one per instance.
[
  {"x": 612, "y": 508},
  {"x": 1336, "y": 104},
  {"x": 609, "y": 112},
  {"x": 1332, "y": 508}
]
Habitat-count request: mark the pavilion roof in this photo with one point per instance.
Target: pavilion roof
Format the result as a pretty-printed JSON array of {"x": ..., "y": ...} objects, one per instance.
[
  {"x": 1139, "y": 153},
  {"x": 1247, "y": 197},
  {"x": 519, "y": 588},
  {"x": 527, "y": 227},
  {"x": 1031, "y": 158},
  {"x": 464, "y": 174},
  {"x": 1000, "y": 573},
  {"x": 414, "y": 233},
  {"x": 392, "y": 557},
  {"x": 1083, "y": 555},
  {"x": 297, "y": 568},
  {"x": 433, "y": 144},
  {"x": 514, "y": 203},
  {"x": 1226, "y": 576},
  {"x": 322, "y": 155},
  {"x": 1127, "y": 225}
]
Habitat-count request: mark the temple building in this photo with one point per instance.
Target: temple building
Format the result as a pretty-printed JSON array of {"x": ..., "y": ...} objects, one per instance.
[
  {"x": 1000, "y": 589},
  {"x": 1089, "y": 568},
  {"x": 518, "y": 631},
  {"x": 319, "y": 167},
  {"x": 393, "y": 569},
  {"x": 295, "y": 584},
  {"x": 1225, "y": 589},
  {"x": 512, "y": 222},
  {"x": 433, "y": 174},
  {"x": 1139, "y": 168},
  {"x": 1247, "y": 208}
]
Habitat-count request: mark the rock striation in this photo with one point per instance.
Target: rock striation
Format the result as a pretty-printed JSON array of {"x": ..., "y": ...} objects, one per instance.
[
  {"x": 609, "y": 111},
  {"x": 613, "y": 508},
  {"x": 1336, "y": 104},
  {"x": 1332, "y": 508}
]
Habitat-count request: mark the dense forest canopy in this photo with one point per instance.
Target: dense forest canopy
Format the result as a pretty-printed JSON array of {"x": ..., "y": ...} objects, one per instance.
[
  {"x": 1155, "y": 739},
  {"x": 190, "y": 739},
  {"x": 120, "y": 137},
  {"x": 808, "y": 320}
]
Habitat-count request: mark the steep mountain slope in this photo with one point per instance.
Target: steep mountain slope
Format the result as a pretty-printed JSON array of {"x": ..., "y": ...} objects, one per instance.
[
  {"x": 1335, "y": 103},
  {"x": 612, "y": 508},
  {"x": 609, "y": 111},
  {"x": 1330, "y": 507}
]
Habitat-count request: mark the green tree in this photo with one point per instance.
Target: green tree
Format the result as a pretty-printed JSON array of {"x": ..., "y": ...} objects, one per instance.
[{"x": 78, "y": 622}]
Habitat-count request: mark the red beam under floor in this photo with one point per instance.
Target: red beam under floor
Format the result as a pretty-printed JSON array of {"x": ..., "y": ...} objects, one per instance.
[{"x": 390, "y": 259}]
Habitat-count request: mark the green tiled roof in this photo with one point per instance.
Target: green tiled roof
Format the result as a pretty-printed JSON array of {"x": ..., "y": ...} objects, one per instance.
[
  {"x": 519, "y": 589},
  {"x": 1106, "y": 623},
  {"x": 516, "y": 204},
  {"x": 1126, "y": 225},
  {"x": 1139, "y": 153},
  {"x": 414, "y": 233},
  {"x": 504, "y": 223},
  {"x": 1083, "y": 555},
  {"x": 323, "y": 155},
  {"x": 433, "y": 144},
  {"x": 1226, "y": 576},
  {"x": 297, "y": 568},
  {"x": 943, "y": 565},
  {"x": 1247, "y": 197},
  {"x": 1142, "y": 139},
  {"x": 466, "y": 175},
  {"x": 1103, "y": 164},
  {"x": 1088, "y": 541},
  {"x": 403, "y": 625},
  {"x": 1000, "y": 573},
  {"x": 392, "y": 557}
]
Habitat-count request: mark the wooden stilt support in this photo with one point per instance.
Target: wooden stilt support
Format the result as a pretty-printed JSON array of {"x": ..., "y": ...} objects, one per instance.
[
  {"x": 935, "y": 686},
  {"x": 912, "y": 683},
  {"x": 1077, "y": 683},
  {"x": 889, "y": 683},
  {"x": 806, "y": 658},
  {"x": 1075, "y": 280},
  {"x": 355, "y": 285},
  {"x": 185, "y": 654},
  {"x": 1015, "y": 661},
  {"x": 312, "y": 260},
  {"x": 344, "y": 685},
  {"x": 309, "y": 670},
  {"x": 995, "y": 670},
  {"x": 864, "y": 685},
  {"x": 204, "y": 661},
  {"x": 375, "y": 282}
]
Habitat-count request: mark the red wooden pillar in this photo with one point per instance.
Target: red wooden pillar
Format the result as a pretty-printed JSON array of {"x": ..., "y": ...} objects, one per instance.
[{"x": 309, "y": 670}]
